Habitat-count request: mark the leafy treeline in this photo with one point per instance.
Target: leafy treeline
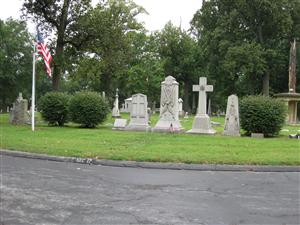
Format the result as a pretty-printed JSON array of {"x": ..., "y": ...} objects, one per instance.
[{"x": 242, "y": 46}]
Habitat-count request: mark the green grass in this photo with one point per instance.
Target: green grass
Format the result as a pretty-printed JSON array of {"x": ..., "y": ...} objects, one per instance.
[{"x": 104, "y": 143}]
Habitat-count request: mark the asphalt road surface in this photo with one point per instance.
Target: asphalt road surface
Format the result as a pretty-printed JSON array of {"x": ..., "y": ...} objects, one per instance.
[{"x": 44, "y": 192}]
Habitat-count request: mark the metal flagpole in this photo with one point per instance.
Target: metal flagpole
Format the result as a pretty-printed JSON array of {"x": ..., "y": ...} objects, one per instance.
[{"x": 33, "y": 89}]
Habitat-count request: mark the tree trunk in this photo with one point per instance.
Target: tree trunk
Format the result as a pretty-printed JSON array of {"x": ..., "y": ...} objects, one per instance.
[
  {"x": 59, "y": 51},
  {"x": 186, "y": 105},
  {"x": 266, "y": 77},
  {"x": 266, "y": 84}
]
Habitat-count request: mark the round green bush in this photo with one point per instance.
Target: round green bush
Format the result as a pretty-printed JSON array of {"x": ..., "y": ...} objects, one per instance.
[
  {"x": 260, "y": 114},
  {"x": 54, "y": 108},
  {"x": 88, "y": 109}
]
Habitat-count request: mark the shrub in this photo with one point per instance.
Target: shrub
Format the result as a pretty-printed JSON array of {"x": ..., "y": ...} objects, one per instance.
[
  {"x": 54, "y": 108},
  {"x": 88, "y": 109},
  {"x": 260, "y": 114}
]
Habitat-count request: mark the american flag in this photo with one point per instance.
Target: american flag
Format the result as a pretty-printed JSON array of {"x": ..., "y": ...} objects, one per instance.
[{"x": 43, "y": 50}]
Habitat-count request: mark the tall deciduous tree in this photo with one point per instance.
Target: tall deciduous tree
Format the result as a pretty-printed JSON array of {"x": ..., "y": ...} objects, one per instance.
[
  {"x": 244, "y": 41},
  {"x": 178, "y": 50},
  {"x": 15, "y": 61},
  {"x": 146, "y": 70},
  {"x": 59, "y": 17},
  {"x": 108, "y": 28}
]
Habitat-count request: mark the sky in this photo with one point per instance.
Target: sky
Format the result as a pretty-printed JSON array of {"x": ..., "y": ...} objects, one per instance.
[{"x": 179, "y": 12}]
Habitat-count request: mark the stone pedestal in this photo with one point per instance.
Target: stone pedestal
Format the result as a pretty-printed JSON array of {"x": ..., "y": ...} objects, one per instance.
[
  {"x": 201, "y": 125},
  {"x": 291, "y": 100},
  {"x": 169, "y": 119},
  {"x": 115, "y": 111}
]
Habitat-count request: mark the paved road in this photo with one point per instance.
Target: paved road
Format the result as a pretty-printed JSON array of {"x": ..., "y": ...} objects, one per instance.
[{"x": 43, "y": 192}]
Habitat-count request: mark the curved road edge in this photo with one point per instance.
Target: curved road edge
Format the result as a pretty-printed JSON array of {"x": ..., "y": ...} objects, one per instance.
[{"x": 153, "y": 165}]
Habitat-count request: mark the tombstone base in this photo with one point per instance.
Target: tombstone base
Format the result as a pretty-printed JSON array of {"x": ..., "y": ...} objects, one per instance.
[
  {"x": 201, "y": 125},
  {"x": 137, "y": 127},
  {"x": 257, "y": 135},
  {"x": 164, "y": 126},
  {"x": 231, "y": 133}
]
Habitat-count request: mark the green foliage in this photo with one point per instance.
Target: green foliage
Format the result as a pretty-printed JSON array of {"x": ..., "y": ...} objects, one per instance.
[
  {"x": 146, "y": 71},
  {"x": 88, "y": 109},
  {"x": 261, "y": 114},
  {"x": 244, "y": 42},
  {"x": 179, "y": 52},
  {"x": 15, "y": 61},
  {"x": 107, "y": 50},
  {"x": 54, "y": 108},
  {"x": 61, "y": 18}
]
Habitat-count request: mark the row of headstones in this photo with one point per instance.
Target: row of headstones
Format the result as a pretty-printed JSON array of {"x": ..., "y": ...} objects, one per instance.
[
  {"x": 169, "y": 112},
  {"x": 127, "y": 106}
]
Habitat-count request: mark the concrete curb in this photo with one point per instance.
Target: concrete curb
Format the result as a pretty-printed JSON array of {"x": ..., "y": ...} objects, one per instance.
[{"x": 153, "y": 165}]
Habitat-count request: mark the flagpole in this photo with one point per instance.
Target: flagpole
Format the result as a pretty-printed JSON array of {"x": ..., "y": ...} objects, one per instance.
[{"x": 33, "y": 89}]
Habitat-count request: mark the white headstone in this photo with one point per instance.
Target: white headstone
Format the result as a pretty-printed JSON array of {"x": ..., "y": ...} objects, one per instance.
[
  {"x": 139, "y": 114},
  {"x": 169, "y": 119},
  {"x": 116, "y": 111},
  {"x": 120, "y": 124},
  {"x": 232, "y": 119},
  {"x": 127, "y": 105},
  {"x": 202, "y": 124},
  {"x": 180, "y": 110}
]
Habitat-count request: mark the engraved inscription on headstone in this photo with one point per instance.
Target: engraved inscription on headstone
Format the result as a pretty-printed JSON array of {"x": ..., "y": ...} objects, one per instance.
[
  {"x": 19, "y": 114},
  {"x": 232, "y": 121},
  {"x": 169, "y": 119},
  {"x": 139, "y": 114}
]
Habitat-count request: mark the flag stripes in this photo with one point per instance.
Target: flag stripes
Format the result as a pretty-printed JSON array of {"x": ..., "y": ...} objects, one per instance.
[{"x": 43, "y": 50}]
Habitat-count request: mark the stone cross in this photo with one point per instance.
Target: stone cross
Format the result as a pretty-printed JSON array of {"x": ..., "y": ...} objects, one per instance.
[{"x": 202, "y": 88}]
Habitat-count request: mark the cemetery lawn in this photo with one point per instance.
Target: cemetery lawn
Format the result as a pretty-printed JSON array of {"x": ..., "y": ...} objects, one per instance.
[{"x": 104, "y": 143}]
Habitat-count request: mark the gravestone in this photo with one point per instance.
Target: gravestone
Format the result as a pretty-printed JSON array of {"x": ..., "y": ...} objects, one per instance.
[
  {"x": 116, "y": 111},
  {"x": 168, "y": 119},
  {"x": 127, "y": 105},
  {"x": 202, "y": 124},
  {"x": 232, "y": 119},
  {"x": 180, "y": 110},
  {"x": 120, "y": 124},
  {"x": 139, "y": 114},
  {"x": 186, "y": 115},
  {"x": 19, "y": 114}
]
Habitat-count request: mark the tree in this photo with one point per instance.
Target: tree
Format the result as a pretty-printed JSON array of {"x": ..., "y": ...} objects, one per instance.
[
  {"x": 15, "y": 61},
  {"x": 146, "y": 71},
  {"x": 245, "y": 41},
  {"x": 178, "y": 50},
  {"x": 107, "y": 27},
  {"x": 57, "y": 17}
]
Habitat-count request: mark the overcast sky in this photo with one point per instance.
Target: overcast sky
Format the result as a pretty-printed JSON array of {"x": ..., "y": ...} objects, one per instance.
[{"x": 160, "y": 11}]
